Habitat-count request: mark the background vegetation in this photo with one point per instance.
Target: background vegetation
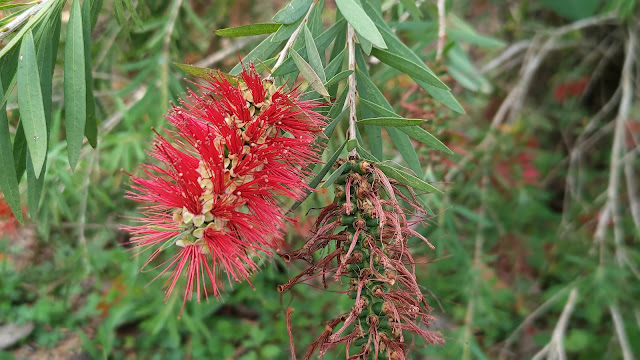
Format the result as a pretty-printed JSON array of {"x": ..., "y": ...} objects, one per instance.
[{"x": 536, "y": 236}]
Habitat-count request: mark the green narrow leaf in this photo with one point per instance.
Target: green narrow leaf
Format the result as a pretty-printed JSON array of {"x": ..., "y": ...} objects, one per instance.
[
  {"x": 132, "y": 12},
  {"x": 366, "y": 155},
  {"x": 20, "y": 151},
  {"x": 415, "y": 132},
  {"x": 361, "y": 22},
  {"x": 408, "y": 67},
  {"x": 351, "y": 144},
  {"x": 249, "y": 30},
  {"x": 205, "y": 73},
  {"x": 407, "y": 179},
  {"x": 365, "y": 44},
  {"x": 262, "y": 51},
  {"x": 315, "y": 19},
  {"x": 398, "y": 47},
  {"x": 412, "y": 8},
  {"x": 426, "y": 138},
  {"x": 335, "y": 175},
  {"x": 26, "y": 27},
  {"x": 292, "y": 12},
  {"x": 321, "y": 174},
  {"x": 91, "y": 127},
  {"x": 335, "y": 65},
  {"x": 402, "y": 142},
  {"x": 368, "y": 90},
  {"x": 313, "y": 55},
  {"x": 391, "y": 121},
  {"x": 96, "y": 6},
  {"x": 9, "y": 6},
  {"x": 286, "y": 31},
  {"x": 31, "y": 104},
  {"x": 8, "y": 177},
  {"x": 34, "y": 187},
  {"x": 75, "y": 90},
  {"x": 339, "y": 77},
  {"x": 322, "y": 42},
  {"x": 307, "y": 72},
  {"x": 49, "y": 35}
]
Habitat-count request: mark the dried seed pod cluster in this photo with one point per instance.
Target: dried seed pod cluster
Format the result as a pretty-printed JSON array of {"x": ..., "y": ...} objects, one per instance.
[{"x": 370, "y": 223}]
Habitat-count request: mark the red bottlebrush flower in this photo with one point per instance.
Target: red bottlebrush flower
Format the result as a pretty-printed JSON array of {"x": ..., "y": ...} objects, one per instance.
[
  {"x": 235, "y": 150},
  {"x": 8, "y": 221}
]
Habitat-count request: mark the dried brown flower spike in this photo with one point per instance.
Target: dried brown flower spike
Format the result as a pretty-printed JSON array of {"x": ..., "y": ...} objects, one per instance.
[{"x": 370, "y": 229}]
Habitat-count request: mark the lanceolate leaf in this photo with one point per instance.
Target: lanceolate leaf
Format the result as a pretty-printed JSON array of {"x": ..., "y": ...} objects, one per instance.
[
  {"x": 75, "y": 90},
  {"x": 368, "y": 90},
  {"x": 30, "y": 103},
  {"x": 335, "y": 175},
  {"x": 366, "y": 155},
  {"x": 48, "y": 35},
  {"x": 91, "y": 128},
  {"x": 20, "y": 151},
  {"x": 313, "y": 55},
  {"x": 408, "y": 67},
  {"x": 292, "y": 12},
  {"x": 339, "y": 77},
  {"x": 8, "y": 178},
  {"x": 360, "y": 22},
  {"x": 415, "y": 132},
  {"x": 205, "y": 73},
  {"x": 307, "y": 72},
  {"x": 407, "y": 179},
  {"x": 285, "y": 31},
  {"x": 249, "y": 30},
  {"x": 399, "y": 48},
  {"x": 402, "y": 142},
  {"x": 32, "y": 21},
  {"x": 322, "y": 41},
  {"x": 412, "y": 8},
  {"x": 391, "y": 121}
]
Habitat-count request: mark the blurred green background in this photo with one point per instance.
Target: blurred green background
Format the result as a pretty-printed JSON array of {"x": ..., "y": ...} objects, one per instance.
[{"x": 516, "y": 231}]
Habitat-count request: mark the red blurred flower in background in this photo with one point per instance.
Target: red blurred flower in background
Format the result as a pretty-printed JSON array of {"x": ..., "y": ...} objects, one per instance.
[{"x": 216, "y": 197}]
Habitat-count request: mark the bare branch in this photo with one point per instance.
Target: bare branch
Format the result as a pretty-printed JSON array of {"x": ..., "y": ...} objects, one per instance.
[
  {"x": 21, "y": 19},
  {"x": 554, "y": 350}
]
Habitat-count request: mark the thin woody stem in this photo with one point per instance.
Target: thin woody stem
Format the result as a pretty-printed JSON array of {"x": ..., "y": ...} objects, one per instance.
[
  {"x": 351, "y": 95},
  {"x": 291, "y": 41},
  {"x": 22, "y": 18},
  {"x": 442, "y": 29}
]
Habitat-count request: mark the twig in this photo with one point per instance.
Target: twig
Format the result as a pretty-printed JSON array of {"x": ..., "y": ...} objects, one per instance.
[
  {"x": 442, "y": 29},
  {"x": 291, "y": 41},
  {"x": 477, "y": 264},
  {"x": 512, "y": 104},
  {"x": 173, "y": 16},
  {"x": 620, "y": 332},
  {"x": 21, "y": 19},
  {"x": 507, "y": 54},
  {"x": 351, "y": 95},
  {"x": 554, "y": 350},
  {"x": 528, "y": 320}
]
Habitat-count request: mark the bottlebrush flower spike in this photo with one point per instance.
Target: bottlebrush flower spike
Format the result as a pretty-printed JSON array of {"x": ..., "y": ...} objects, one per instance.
[
  {"x": 369, "y": 230},
  {"x": 216, "y": 197}
]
